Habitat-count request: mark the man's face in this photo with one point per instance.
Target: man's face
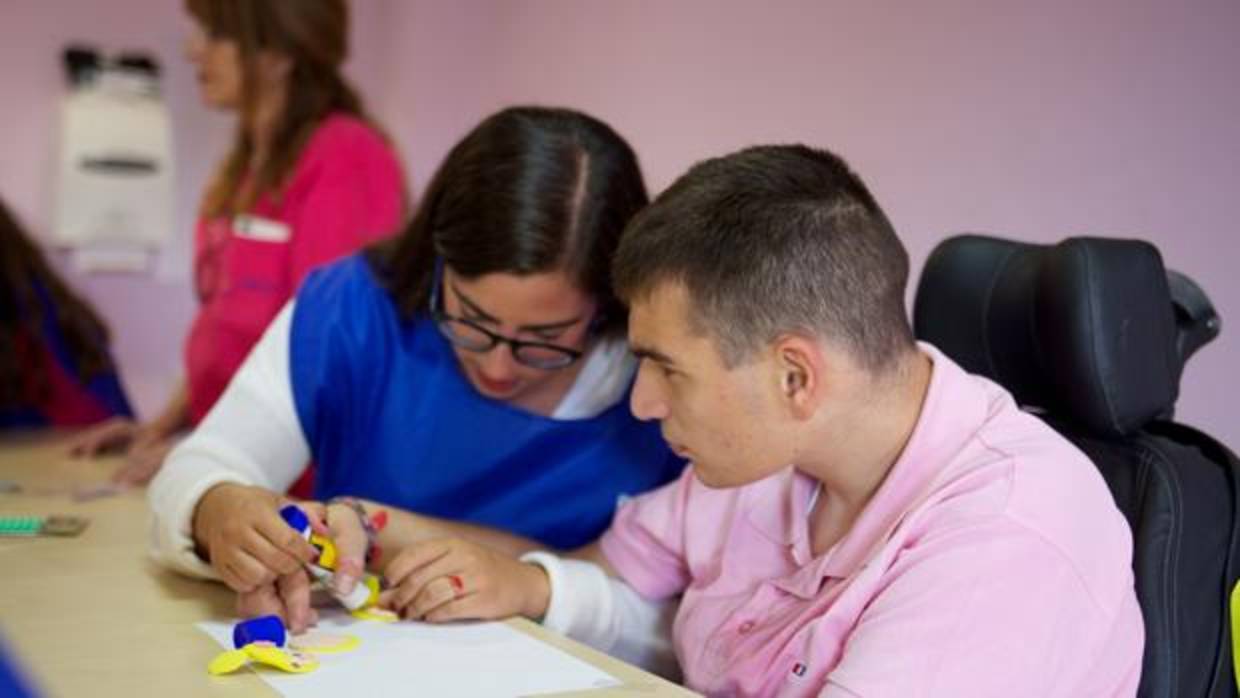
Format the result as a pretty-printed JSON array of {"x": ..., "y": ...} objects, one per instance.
[{"x": 724, "y": 421}]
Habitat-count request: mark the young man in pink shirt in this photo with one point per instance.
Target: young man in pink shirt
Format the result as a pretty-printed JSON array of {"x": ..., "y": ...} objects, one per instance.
[{"x": 861, "y": 518}]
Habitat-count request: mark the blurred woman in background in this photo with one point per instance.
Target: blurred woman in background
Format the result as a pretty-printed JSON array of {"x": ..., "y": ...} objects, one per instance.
[
  {"x": 55, "y": 370},
  {"x": 309, "y": 178}
]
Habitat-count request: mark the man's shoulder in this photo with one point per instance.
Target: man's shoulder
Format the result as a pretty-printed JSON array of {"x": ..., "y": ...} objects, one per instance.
[{"x": 1035, "y": 488}]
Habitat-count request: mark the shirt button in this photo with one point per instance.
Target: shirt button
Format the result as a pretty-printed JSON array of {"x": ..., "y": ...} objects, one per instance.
[{"x": 745, "y": 627}]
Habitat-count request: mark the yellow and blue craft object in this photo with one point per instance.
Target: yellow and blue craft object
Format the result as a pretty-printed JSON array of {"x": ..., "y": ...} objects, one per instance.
[
  {"x": 265, "y": 641},
  {"x": 364, "y": 595},
  {"x": 261, "y": 640}
]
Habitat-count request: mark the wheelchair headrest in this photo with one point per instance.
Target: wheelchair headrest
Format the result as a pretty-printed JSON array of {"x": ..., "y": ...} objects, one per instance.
[{"x": 1091, "y": 330}]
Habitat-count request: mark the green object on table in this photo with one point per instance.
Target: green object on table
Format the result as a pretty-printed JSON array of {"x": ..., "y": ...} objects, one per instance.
[
  {"x": 16, "y": 526},
  {"x": 20, "y": 525}
]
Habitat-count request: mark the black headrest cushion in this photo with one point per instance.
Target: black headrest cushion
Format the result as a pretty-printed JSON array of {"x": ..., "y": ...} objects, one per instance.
[{"x": 1084, "y": 329}]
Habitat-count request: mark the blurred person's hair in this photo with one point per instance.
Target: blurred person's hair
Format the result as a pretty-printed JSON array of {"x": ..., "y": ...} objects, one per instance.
[
  {"x": 31, "y": 296},
  {"x": 313, "y": 34}
]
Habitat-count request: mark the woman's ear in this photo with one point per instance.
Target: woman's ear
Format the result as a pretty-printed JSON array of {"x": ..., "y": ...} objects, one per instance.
[{"x": 273, "y": 66}]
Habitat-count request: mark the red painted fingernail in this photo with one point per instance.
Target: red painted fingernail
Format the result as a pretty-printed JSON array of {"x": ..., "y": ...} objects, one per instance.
[{"x": 379, "y": 519}]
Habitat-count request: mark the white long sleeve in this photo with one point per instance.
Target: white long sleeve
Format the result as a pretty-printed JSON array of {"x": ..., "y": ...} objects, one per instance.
[
  {"x": 251, "y": 436},
  {"x": 608, "y": 614}
]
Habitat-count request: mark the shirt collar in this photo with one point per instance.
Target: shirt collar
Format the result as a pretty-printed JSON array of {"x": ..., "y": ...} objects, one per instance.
[{"x": 954, "y": 408}]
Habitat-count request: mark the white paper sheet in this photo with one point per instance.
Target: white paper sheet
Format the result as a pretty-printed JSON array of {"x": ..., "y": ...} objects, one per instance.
[{"x": 469, "y": 660}]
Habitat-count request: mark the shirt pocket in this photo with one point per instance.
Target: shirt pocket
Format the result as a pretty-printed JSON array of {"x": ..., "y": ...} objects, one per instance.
[{"x": 256, "y": 283}]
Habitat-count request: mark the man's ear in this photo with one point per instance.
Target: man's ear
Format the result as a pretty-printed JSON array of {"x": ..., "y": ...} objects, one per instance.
[{"x": 801, "y": 371}]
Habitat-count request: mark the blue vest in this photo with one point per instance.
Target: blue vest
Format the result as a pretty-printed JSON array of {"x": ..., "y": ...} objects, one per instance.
[
  {"x": 390, "y": 417},
  {"x": 104, "y": 388}
]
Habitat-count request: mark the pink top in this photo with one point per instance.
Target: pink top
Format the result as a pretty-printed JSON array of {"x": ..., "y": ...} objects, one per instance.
[
  {"x": 345, "y": 191},
  {"x": 992, "y": 561}
]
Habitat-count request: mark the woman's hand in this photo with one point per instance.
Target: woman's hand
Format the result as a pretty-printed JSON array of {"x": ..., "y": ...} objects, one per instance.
[
  {"x": 245, "y": 538},
  {"x": 112, "y": 435},
  {"x": 145, "y": 458},
  {"x": 343, "y": 525},
  {"x": 145, "y": 446},
  {"x": 453, "y": 579}
]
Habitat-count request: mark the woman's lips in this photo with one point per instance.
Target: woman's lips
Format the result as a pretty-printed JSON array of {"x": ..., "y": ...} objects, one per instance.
[{"x": 496, "y": 388}]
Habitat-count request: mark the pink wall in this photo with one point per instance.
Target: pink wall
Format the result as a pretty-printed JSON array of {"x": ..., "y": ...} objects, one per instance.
[
  {"x": 149, "y": 314},
  {"x": 1035, "y": 120},
  {"x": 1032, "y": 120}
]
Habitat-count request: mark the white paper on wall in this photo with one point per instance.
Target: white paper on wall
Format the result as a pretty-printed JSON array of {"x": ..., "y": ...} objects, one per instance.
[{"x": 114, "y": 194}]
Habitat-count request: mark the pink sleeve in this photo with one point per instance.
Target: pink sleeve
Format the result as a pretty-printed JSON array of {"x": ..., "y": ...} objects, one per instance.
[
  {"x": 989, "y": 610},
  {"x": 645, "y": 543},
  {"x": 351, "y": 195}
]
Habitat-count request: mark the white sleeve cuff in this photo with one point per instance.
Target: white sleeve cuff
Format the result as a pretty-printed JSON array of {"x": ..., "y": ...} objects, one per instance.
[
  {"x": 607, "y": 614},
  {"x": 172, "y": 513}
]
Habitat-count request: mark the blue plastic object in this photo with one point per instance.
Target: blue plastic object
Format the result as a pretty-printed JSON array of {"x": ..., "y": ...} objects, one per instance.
[
  {"x": 295, "y": 517},
  {"x": 261, "y": 629}
]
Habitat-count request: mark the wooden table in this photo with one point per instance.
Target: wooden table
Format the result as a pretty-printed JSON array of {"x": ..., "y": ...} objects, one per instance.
[{"x": 93, "y": 616}]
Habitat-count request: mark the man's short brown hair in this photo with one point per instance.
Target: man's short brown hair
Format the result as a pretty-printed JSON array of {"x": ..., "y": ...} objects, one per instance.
[{"x": 769, "y": 240}]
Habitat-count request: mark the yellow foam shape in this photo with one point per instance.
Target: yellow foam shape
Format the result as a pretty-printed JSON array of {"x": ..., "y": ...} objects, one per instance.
[
  {"x": 264, "y": 653},
  {"x": 324, "y": 643},
  {"x": 327, "y": 558},
  {"x": 227, "y": 662},
  {"x": 292, "y": 662},
  {"x": 382, "y": 615},
  {"x": 372, "y": 583}
]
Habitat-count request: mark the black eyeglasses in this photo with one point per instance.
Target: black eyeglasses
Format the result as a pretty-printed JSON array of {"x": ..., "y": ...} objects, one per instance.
[{"x": 471, "y": 336}]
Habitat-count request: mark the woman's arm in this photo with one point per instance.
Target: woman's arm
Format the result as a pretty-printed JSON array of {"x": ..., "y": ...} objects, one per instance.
[
  {"x": 175, "y": 415},
  {"x": 405, "y": 528},
  {"x": 252, "y": 442}
]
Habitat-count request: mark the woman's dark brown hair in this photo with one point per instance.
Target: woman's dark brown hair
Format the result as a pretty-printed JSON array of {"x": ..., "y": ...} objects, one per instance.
[
  {"x": 314, "y": 35},
  {"x": 530, "y": 190},
  {"x": 29, "y": 291}
]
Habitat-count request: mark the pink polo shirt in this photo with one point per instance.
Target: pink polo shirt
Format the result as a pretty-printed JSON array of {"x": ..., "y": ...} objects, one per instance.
[
  {"x": 992, "y": 561},
  {"x": 346, "y": 190}
]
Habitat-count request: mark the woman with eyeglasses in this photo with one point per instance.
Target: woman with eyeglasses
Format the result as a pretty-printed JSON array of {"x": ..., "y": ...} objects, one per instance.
[{"x": 473, "y": 369}]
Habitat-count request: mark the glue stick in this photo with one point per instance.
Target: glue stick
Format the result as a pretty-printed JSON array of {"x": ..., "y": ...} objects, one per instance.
[{"x": 364, "y": 593}]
